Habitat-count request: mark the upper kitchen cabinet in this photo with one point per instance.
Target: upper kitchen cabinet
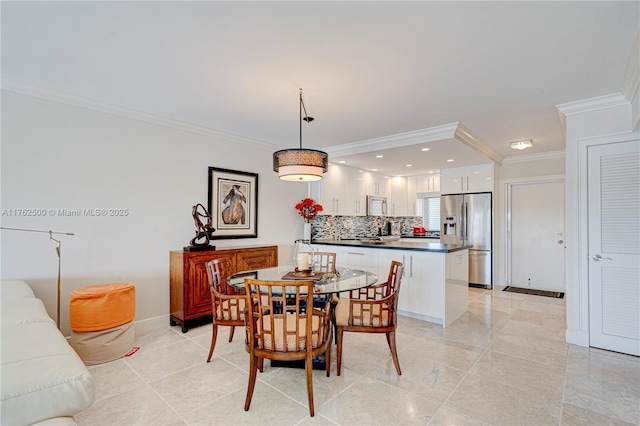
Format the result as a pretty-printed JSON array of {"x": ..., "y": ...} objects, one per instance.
[
  {"x": 342, "y": 191},
  {"x": 330, "y": 191},
  {"x": 376, "y": 185},
  {"x": 398, "y": 196},
  {"x": 356, "y": 191},
  {"x": 427, "y": 183},
  {"x": 461, "y": 180}
]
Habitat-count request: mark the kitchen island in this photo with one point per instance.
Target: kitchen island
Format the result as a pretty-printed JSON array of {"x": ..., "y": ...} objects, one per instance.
[{"x": 436, "y": 276}]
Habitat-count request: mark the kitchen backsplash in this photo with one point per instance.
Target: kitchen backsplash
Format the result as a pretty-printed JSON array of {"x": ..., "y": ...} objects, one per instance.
[{"x": 358, "y": 226}]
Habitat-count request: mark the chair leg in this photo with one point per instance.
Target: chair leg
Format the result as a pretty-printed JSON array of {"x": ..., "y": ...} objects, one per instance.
[
  {"x": 333, "y": 321},
  {"x": 339, "y": 350},
  {"x": 327, "y": 357},
  {"x": 233, "y": 328},
  {"x": 308, "y": 367},
  {"x": 214, "y": 336},
  {"x": 391, "y": 338},
  {"x": 253, "y": 372}
]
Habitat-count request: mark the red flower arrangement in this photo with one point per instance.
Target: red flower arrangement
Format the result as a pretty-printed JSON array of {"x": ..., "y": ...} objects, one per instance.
[{"x": 308, "y": 209}]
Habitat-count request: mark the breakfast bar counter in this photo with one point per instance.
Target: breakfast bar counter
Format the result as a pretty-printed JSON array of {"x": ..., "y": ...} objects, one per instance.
[
  {"x": 418, "y": 244},
  {"x": 435, "y": 284}
]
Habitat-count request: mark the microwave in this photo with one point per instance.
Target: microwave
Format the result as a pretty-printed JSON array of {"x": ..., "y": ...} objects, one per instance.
[{"x": 376, "y": 206}]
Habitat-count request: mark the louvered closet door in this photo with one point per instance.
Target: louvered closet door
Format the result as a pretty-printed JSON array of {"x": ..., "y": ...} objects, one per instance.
[{"x": 614, "y": 246}]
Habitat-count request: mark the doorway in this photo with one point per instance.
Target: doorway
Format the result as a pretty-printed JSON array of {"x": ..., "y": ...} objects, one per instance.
[{"x": 535, "y": 218}]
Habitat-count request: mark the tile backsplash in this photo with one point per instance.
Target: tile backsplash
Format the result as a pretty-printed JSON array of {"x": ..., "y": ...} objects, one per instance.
[{"x": 358, "y": 226}]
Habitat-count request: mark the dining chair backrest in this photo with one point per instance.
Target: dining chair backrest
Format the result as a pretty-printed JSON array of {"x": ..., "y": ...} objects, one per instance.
[
  {"x": 283, "y": 324},
  {"x": 323, "y": 261},
  {"x": 218, "y": 270},
  {"x": 394, "y": 278},
  {"x": 227, "y": 303}
]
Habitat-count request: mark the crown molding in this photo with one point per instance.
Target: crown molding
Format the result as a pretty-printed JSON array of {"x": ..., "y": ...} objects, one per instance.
[
  {"x": 448, "y": 131},
  {"x": 431, "y": 134},
  {"x": 105, "y": 107},
  {"x": 592, "y": 104},
  {"x": 534, "y": 157},
  {"x": 472, "y": 141}
]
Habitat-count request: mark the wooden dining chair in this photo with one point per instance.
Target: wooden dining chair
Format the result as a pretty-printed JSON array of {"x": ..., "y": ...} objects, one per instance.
[
  {"x": 227, "y": 303},
  {"x": 285, "y": 327},
  {"x": 371, "y": 309},
  {"x": 324, "y": 262}
]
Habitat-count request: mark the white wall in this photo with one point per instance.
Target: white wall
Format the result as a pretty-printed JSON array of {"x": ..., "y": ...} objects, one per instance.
[{"x": 59, "y": 156}]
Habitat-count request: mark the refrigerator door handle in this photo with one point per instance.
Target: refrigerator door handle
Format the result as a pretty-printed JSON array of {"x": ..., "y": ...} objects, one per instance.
[
  {"x": 462, "y": 222},
  {"x": 466, "y": 222}
]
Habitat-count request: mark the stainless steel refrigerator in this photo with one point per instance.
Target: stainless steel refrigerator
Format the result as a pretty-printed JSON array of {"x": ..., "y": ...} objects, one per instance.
[{"x": 466, "y": 219}]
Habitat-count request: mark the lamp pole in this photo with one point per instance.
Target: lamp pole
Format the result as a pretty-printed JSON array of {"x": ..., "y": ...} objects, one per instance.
[{"x": 51, "y": 233}]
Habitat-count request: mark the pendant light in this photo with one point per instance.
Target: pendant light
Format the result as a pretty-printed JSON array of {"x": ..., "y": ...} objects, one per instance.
[{"x": 297, "y": 164}]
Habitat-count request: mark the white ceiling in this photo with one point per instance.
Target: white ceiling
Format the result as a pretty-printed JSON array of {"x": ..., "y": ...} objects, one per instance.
[{"x": 369, "y": 70}]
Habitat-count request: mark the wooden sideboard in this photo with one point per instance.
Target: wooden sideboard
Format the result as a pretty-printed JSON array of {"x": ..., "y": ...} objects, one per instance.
[{"x": 189, "y": 284}]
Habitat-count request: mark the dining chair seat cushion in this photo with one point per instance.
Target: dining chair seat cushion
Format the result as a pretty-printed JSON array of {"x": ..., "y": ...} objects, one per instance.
[
  {"x": 373, "y": 315},
  {"x": 227, "y": 311},
  {"x": 278, "y": 332}
]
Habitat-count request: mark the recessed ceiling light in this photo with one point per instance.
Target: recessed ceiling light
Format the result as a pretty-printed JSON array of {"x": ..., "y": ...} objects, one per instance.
[
  {"x": 379, "y": 156},
  {"x": 374, "y": 170},
  {"x": 450, "y": 160},
  {"x": 524, "y": 144},
  {"x": 425, "y": 149},
  {"x": 342, "y": 162},
  {"x": 408, "y": 165}
]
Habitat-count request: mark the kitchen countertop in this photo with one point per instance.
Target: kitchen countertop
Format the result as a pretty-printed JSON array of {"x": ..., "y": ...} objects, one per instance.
[
  {"x": 397, "y": 245},
  {"x": 420, "y": 236}
]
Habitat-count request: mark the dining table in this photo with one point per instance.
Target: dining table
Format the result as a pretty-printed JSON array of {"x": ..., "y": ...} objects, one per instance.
[{"x": 344, "y": 279}]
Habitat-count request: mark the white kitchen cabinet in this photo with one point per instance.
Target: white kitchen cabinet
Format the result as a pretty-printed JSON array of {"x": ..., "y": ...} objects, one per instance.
[
  {"x": 376, "y": 184},
  {"x": 355, "y": 191},
  {"x": 330, "y": 191},
  {"x": 397, "y": 199},
  {"x": 412, "y": 195},
  {"x": 342, "y": 191},
  {"x": 354, "y": 257},
  {"x": 434, "y": 286},
  {"x": 428, "y": 183},
  {"x": 461, "y": 180}
]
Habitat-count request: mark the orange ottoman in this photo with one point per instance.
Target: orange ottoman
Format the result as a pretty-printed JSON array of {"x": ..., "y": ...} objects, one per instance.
[{"x": 101, "y": 319}]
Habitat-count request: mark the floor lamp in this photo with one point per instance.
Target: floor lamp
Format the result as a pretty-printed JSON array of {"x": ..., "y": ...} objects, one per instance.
[{"x": 51, "y": 234}]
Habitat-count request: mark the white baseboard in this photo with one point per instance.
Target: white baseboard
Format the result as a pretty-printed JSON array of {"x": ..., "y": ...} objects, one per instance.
[
  {"x": 577, "y": 337},
  {"x": 151, "y": 324},
  {"x": 421, "y": 317}
]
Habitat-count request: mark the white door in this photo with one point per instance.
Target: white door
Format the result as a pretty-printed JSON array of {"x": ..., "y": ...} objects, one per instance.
[
  {"x": 614, "y": 246},
  {"x": 536, "y": 212}
]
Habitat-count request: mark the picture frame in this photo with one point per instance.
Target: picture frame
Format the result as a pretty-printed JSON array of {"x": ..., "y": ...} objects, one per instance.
[{"x": 233, "y": 203}]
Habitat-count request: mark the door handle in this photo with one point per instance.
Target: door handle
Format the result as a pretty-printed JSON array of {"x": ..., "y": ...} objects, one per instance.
[{"x": 598, "y": 258}]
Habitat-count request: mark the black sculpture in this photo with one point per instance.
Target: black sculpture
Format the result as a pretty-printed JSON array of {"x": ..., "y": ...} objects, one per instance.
[{"x": 203, "y": 232}]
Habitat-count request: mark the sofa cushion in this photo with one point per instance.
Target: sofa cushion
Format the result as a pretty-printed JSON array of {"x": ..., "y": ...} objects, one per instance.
[
  {"x": 43, "y": 379},
  {"x": 42, "y": 376},
  {"x": 23, "y": 311},
  {"x": 15, "y": 288}
]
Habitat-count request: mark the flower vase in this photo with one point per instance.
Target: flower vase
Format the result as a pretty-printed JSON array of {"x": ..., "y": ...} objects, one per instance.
[{"x": 306, "y": 234}]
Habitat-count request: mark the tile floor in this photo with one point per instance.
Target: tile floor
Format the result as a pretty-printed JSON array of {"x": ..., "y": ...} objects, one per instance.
[{"x": 502, "y": 363}]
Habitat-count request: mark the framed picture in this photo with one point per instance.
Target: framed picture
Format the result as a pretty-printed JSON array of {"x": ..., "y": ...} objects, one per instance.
[{"x": 233, "y": 203}]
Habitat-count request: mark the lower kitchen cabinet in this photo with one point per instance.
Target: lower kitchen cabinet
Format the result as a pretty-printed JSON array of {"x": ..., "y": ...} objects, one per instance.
[
  {"x": 189, "y": 285},
  {"x": 434, "y": 286}
]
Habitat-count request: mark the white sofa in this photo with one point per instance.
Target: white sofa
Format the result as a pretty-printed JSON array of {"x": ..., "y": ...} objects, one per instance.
[{"x": 42, "y": 378}]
